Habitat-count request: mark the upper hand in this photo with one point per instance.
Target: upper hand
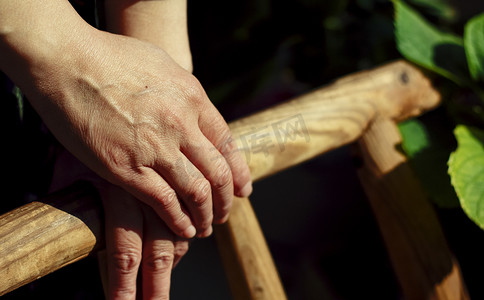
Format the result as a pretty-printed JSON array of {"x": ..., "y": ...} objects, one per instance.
[{"x": 142, "y": 122}]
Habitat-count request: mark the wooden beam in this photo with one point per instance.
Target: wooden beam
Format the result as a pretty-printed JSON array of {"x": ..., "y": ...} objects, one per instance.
[
  {"x": 423, "y": 263},
  {"x": 248, "y": 263}
]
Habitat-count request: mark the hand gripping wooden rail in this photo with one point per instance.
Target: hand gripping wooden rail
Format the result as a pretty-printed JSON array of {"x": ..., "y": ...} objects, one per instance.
[{"x": 46, "y": 235}]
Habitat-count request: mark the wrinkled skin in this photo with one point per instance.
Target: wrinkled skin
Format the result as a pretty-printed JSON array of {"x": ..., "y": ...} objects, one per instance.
[
  {"x": 131, "y": 111},
  {"x": 136, "y": 238},
  {"x": 152, "y": 131}
]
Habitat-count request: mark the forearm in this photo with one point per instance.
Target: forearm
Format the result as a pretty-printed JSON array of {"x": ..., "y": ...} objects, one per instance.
[
  {"x": 33, "y": 32},
  {"x": 160, "y": 22}
]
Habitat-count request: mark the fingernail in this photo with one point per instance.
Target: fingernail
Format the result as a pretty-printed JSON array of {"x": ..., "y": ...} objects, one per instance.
[
  {"x": 246, "y": 190},
  {"x": 209, "y": 231},
  {"x": 206, "y": 233},
  {"x": 190, "y": 232}
]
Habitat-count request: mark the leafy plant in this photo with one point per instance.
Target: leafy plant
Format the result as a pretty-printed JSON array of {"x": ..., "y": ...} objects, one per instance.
[
  {"x": 460, "y": 60},
  {"x": 474, "y": 45},
  {"x": 466, "y": 167}
]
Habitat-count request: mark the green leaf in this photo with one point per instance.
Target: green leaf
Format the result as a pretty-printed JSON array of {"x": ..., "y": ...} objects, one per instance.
[
  {"x": 422, "y": 43},
  {"x": 439, "y": 8},
  {"x": 474, "y": 46},
  {"x": 428, "y": 154},
  {"x": 415, "y": 137},
  {"x": 466, "y": 169}
]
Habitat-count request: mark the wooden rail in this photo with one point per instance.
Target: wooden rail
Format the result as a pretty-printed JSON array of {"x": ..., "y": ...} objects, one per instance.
[
  {"x": 330, "y": 117},
  {"x": 43, "y": 236}
]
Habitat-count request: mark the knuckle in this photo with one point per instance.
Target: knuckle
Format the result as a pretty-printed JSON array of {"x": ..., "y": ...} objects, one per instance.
[
  {"x": 128, "y": 292},
  {"x": 166, "y": 199},
  {"x": 172, "y": 165},
  {"x": 200, "y": 192},
  {"x": 194, "y": 89},
  {"x": 159, "y": 262},
  {"x": 117, "y": 159},
  {"x": 126, "y": 262},
  {"x": 167, "y": 206},
  {"x": 224, "y": 133},
  {"x": 222, "y": 175},
  {"x": 181, "y": 248},
  {"x": 228, "y": 146}
]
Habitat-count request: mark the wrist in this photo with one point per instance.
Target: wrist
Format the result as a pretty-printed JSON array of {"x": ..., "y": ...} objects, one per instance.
[
  {"x": 52, "y": 35},
  {"x": 161, "y": 23}
]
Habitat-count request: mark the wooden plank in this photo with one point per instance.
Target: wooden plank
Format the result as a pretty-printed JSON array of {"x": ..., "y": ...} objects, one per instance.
[{"x": 418, "y": 250}]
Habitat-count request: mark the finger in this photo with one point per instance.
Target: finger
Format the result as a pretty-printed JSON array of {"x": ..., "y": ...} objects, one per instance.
[
  {"x": 214, "y": 167},
  {"x": 181, "y": 248},
  {"x": 152, "y": 189},
  {"x": 194, "y": 190},
  {"x": 124, "y": 226},
  {"x": 158, "y": 257},
  {"x": 218, "y": 133}
]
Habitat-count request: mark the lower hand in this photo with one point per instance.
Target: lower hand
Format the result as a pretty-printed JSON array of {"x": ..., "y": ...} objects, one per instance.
[{"x": 137, "y": 240}]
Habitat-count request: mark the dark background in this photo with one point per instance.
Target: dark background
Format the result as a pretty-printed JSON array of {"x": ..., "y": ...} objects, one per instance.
[{"x": 252, "y": 54}]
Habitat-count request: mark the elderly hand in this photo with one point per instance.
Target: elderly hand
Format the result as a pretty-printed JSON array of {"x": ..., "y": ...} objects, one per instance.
[
  {"x": 137, "y": 241},
  {"x": 127, "y": 111}
]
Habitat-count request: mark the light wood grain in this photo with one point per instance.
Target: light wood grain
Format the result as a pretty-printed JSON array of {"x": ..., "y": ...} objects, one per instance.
[
  {"x": 40, "y": 238},
  {"x": 417, "y": 247},
  {"x": 330, "y": 117},
  {"x": 247, "y": 259}
]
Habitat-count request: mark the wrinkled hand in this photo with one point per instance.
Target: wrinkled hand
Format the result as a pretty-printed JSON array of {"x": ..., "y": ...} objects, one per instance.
[
  {"x": 135, "y": 117},
  {"x": 136, "y": 238}
]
